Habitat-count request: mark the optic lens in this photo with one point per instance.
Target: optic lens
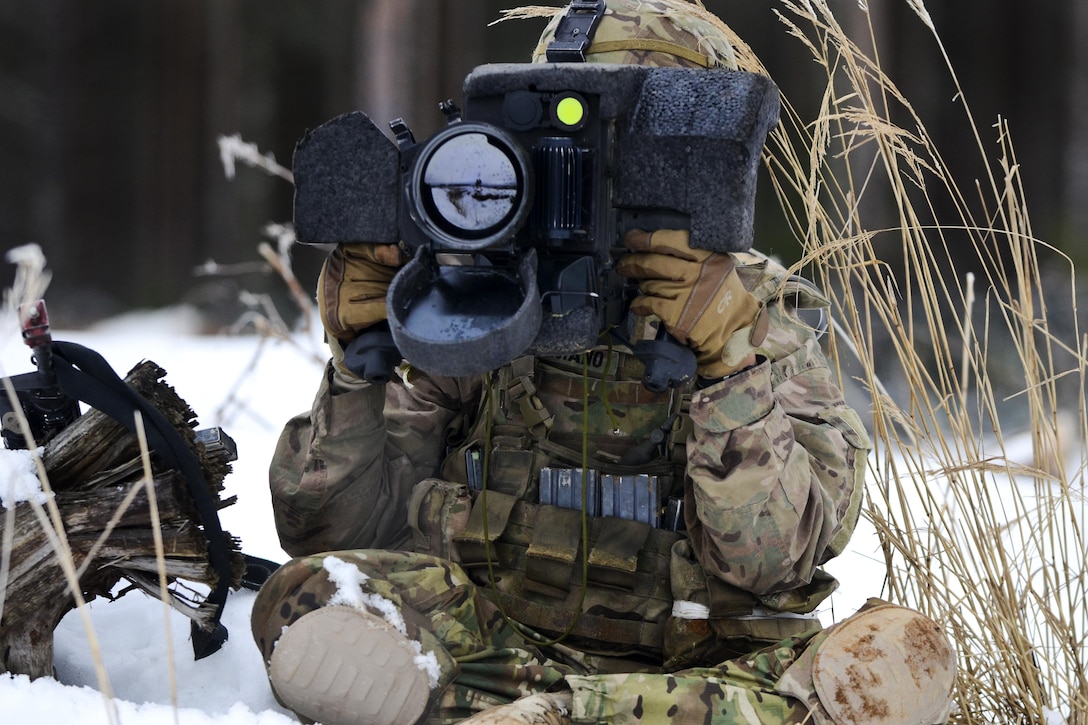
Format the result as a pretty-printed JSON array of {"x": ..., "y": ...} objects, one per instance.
[
  {"x": 471, "y": 187},
  {"x": 472, "y": 183}
]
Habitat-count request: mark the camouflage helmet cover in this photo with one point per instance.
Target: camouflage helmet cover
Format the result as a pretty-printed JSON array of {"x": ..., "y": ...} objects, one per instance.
[{"x": 662, "y": 33}]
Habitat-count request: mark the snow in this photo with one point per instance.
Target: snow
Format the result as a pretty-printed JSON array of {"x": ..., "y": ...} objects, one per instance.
[
  {"x": 19, "y": 479},
  {"x": 351, "y": 592},
  {"x": 250, "y": 386}
]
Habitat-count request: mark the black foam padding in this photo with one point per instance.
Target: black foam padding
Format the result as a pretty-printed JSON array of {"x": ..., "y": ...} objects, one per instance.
[
  {"x": 693, "y": 145},
  {"x": 686, "y": 143},
  {"x": 460, "y": 334},
  {"x": 687, "y": 140},
  {"x": 347, "y": 178},
  {"x": 572, "y": 333},
  {"x": 617, "y": 85}
]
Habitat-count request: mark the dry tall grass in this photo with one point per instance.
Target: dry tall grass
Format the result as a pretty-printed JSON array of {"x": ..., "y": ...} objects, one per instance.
[{"x": 986, "y": 541}]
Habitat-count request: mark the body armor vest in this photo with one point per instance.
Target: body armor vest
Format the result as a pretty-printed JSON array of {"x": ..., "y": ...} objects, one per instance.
[
  {"x": 603, "y": 584},
  {"x": 601, "y": 581}
]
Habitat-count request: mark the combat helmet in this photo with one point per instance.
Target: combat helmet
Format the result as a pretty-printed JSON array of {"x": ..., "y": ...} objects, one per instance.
[{"x": 660, "y": 33}]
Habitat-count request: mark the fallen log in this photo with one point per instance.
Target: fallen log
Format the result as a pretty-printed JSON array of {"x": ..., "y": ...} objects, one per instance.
[{"x": 96, "y": 472}]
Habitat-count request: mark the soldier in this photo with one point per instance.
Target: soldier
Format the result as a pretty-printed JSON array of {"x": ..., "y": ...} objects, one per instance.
[{"x": 419, "y": 595}]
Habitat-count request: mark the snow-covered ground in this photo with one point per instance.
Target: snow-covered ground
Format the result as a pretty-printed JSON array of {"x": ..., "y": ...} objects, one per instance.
[{"x": 251, "y": 388}]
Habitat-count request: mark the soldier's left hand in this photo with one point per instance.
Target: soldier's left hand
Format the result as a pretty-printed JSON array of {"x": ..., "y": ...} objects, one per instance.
[{"x": 696, "y": 293}]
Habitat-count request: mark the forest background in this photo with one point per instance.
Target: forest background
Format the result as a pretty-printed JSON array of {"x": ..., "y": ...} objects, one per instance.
[
  {"x": 954, "y": 315},
  {"x": 111, "y": 111}
]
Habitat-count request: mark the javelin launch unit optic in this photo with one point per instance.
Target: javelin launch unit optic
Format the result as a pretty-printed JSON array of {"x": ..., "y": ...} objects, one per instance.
[{"x": 513, "y": 213}]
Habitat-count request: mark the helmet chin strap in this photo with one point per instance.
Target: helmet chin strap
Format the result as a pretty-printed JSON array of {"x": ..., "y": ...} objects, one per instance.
[{"x": 575, "y": 31}]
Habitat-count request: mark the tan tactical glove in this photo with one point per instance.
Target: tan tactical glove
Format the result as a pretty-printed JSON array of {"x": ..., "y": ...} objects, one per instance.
[
  {"x": 352, "y": 287},
  {"x": 697, "y": 295}
]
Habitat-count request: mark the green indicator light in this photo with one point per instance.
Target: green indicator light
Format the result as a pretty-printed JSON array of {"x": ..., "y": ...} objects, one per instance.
[{"x": 570, "y": 111}]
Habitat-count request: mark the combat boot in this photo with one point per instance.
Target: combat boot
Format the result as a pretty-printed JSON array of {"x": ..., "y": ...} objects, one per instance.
[
  {"x": 344, "y": 666},
  {"x": 887, "y": 665},
  {"x": 541, "y": 708}
]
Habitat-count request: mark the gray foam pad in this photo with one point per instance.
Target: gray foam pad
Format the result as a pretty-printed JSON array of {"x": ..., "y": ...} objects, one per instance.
[
  {"x": 347, "y": 178},
  {"x": 617, "y": 85},
  {"x": 572, "y": 333},
  {"x": 687, "y": 140},
  {"x": 693, "y": 145}
]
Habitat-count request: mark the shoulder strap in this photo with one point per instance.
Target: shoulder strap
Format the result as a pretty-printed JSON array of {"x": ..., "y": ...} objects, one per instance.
[{"x": 85, "y": 375}]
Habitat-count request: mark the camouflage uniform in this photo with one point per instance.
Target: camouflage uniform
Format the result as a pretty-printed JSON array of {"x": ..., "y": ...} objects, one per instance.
[
  {"x": 484, "y": 662},
  {"x": 769, "y": 462}
]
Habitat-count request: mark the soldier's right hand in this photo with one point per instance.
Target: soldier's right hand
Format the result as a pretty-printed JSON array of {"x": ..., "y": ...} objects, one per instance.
[{"x": 352, "y": 287}]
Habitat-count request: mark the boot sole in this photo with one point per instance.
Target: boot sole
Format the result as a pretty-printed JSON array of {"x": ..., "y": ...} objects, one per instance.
[
  {"x": 888, "y": 665},
  {"x": 343, "y": 666}
]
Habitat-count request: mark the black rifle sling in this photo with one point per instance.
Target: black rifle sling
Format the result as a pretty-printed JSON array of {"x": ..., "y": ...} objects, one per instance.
[{"x": 85, "y": 375}]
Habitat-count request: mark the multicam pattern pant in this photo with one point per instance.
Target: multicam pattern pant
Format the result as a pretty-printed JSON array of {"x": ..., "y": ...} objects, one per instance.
[{"x": 484, "y": 659}]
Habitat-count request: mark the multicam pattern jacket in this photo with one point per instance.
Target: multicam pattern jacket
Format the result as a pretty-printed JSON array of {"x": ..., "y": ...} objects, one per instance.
[{"x": 770, "y": 467}]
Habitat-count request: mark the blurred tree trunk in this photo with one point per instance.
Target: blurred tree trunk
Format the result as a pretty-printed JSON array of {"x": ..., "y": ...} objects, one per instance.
[
  {"x": 1074, "y": 206},
  {"x": 397, "y": 46},
  {"x": 223, "y": 30},
  {"x": 412, "y": 55},
  {"x": 875, "y": 33},
  {"x": 167, "y": 229},
  {"x": 52, "y": 32},
  {"x": 112, "y": 109}
]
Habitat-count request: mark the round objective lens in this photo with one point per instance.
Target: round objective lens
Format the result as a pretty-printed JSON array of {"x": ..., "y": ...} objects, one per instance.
[
  {"x": 472, "y": 183},
  {"x": 471, "y": 187}
]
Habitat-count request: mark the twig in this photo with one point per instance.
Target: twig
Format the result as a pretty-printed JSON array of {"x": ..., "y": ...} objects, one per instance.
[{"x": 233, "y": 148}]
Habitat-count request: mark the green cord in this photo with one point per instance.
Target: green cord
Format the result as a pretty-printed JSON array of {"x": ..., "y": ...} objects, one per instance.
[
  {"x": 604, "y": 392},
  {"x": 488, "y": 424}
]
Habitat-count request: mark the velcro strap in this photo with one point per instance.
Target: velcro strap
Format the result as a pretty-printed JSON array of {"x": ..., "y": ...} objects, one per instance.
[
  {"x": 473, "y": 544},
  {"x": 523, "y": 392},
  {"x": 741, "y": 343},
  {"x": 614, "y": 558},
  {"x": 554, "y": 548}
]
